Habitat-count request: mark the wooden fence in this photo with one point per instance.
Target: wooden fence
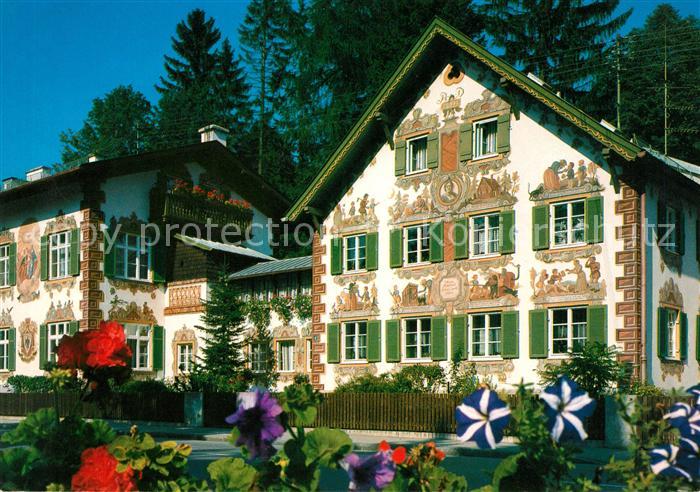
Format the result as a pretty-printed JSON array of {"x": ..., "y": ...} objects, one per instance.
[{"x": 154, "y": 407}]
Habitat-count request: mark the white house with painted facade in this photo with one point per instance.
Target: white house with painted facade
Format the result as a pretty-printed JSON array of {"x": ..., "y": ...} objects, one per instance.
[{"x": 471, "y": 212}]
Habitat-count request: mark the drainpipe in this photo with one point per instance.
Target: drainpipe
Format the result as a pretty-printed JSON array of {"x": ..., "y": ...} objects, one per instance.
[{"x": 643, "y": 319}]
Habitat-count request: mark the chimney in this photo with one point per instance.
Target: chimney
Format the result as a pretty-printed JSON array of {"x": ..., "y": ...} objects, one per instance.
[
  {"x": 38, "y": 173},
  {"x": 214, "y": 133},
  {"x": 93, "y": 157},
  {"x": 11, "y": 182}
]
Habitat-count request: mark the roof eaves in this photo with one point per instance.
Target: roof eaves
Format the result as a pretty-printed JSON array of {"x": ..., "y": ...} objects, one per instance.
[{"x": 626, "y": 149}]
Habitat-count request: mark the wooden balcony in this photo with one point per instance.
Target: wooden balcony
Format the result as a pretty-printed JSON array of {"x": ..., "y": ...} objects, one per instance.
[{"x": 182, "y": 208}]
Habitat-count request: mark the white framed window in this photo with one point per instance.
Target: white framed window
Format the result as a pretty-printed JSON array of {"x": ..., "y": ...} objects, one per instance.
[
  {"x": 55, "y": 332},
  {"x": 568, "y": 329},
  {"x": 669, "y": 225},
  {"x": 138, "y": 337},
  {"x": 4, "y": 265},
  {"x": 4, "y": 349},
  {"x": 285, "y": 355},
  {"x": 417, "y": 244},
  {"x": 259, "y": 354},
  {"x": 133, "y": 258},
  {"x": 568, "y": 223},
  {"x": 673, "y": 334},
  {"x": 59, "y": 255},
  {"x": 485, "y": 231},
  {"x": 185, "y": 357},
  {"x": 417, "y": 155},
  {"x": 485, "y": 334},
  {"x": 416, "y": 339},
  {"x": 355, "y": 341},
  {"x": 355, "y": 253},
  {"x": 485, "y": 138}
]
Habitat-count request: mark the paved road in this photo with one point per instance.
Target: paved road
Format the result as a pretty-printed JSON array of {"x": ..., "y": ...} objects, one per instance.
[{"x": 477, "y": 470}]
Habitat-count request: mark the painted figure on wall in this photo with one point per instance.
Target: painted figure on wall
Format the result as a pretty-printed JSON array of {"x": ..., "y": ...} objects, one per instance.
[
  {"x": 353, "y": 298},
  {"x": 495, "y": 285},
  {"x": 360, "y": 212},
  {"x": 403, "y": 208},
  {"x": 568, "y": 281},
  {"x": 561, "y": 175},
  {"x": 28, "y": 262}
]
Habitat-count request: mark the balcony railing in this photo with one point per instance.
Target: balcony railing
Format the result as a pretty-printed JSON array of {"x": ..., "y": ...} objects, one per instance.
[{"x": 184, "y": 208}]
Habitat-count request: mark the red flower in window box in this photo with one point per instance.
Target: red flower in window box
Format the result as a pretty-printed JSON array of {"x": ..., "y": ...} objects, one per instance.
[{"x": 98, "y": 472}]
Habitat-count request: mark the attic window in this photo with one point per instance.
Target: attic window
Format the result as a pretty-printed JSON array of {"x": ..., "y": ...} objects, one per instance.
[
  {"x": 417, "y": 155},
  {"x": 485, "y": 138}
]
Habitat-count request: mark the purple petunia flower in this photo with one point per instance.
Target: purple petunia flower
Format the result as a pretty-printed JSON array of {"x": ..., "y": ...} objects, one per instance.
[
  {"x": 684, "y": 418},
  {"x": 257, "y": 421},
  {"x": 666, "y": 460},
  {"x": 695, "y": 391},
  {"x": 375, "y": 471},
  {"x": 566, "y": 407},
  {"x": 482, "y": 417}
]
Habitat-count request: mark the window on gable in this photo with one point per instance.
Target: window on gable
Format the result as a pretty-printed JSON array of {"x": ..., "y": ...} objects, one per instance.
[
  {"x": 568, "y": 222},
  {"x": 417, "y": 155},
  {"x": 4, "y": 265},
  {"x": 355, "y": 253},
  {"x": 485, "y": 138},
  {"x": 417, "y": 244},
  {"x": 485, "y": 235},
  {"x": 59, "y": 254},
  {"x": 132, "y": 257}
]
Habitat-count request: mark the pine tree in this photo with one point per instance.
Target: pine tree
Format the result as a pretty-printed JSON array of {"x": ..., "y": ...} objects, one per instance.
[
  {"x": 222, "y": 356},
  {"x": 665, "y": 36},
  {"x": 119, "y": 123},
  {"x": 266, "y": 55},
  {"x": 559, "y": 41},
  {"x": 194, "y": 44}
]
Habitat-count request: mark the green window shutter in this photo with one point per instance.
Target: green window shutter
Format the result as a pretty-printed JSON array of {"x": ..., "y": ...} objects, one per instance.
[
  {"x": 400, "y": 158},
  {"x": 460, "y": 235},
  {"x": 43, "y": 346},
  {"x": 13, "y": 264},
  {"x": 73, "y": 327},
  {"x": 110, "y": 257},
  {"x": 437, "y": 242},
  {"x": 597, "y": 324},
  {"x": 74, "y": 252},
  {"x": 459, "y": 337},
  {"x": 396, "y": 248},
  {"x": 539, "y": 336},
  {"x": 158, "y": 347},
  {"x": 44, "y": 242},
  {"x": 661, "y": 226},
  {"x": 680, "y": 232},
  {"x": 12, "y": 348},
  {"x": 697, "y": 338},
  {"x": 438, "y": 338},
  {"x": 503, "y": 133},
  {"x": 594, "y": 219},
  {"x": 684, "y": 336},
  {"x": 333, "y": 342},
  {"x": 393, "y": 340},
  {"x": 540, "y": 227},
  {"x": 506, "y": 234},
  {"x": 159, "y": 261},
  {"x": 662, "y": 333},
  {"x": 465, "y": 142},
  {"x": 433, "y": 149},
  {"x": 510, "y": 347},
  {"x": 374, "y": 335},
  {"x": 372, "y": 244},
  {"x": 336, "y": 255}
]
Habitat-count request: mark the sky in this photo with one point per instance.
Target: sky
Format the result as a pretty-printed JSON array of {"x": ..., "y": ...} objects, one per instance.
[{"x": 57, "y": 56}]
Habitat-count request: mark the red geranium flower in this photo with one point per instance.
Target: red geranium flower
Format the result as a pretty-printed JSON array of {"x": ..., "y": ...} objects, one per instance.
[
  {"x": 71, "y": 351},
  {"x": 98, "y": 472},
  {"x": 107, "y": 346}
]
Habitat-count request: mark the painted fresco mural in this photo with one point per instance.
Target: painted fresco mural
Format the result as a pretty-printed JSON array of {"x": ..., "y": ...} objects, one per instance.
[{"x": 28, "y": 255}]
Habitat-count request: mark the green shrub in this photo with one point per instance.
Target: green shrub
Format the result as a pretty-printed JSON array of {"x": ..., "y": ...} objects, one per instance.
[
  {"x": 639, "y": 388},
  {"x": 38, "y": 384},
  {"x": 410, "y": 379},
  {"x": 463, "y": 378},
  {"x": 144, "y": 386},
  {"x": 595, "y": 369}
]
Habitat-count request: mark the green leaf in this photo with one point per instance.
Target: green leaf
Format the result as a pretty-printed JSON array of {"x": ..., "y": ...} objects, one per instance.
[
  {"x": 326, "y": 446},
  {"x": 37, "y": 426},
  {"x": 231, "y": 474},
  {"x": 507, "y": 467},
  {"x": 102, "y": 432}
]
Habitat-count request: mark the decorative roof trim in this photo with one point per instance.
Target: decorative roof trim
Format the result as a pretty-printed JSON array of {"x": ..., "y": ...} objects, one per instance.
[{"x": 628, "y": 150}]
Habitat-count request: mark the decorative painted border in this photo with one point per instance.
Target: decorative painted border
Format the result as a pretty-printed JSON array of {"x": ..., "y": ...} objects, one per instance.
[
  {"x": 318, "y": 328},
  {"x": 630, "y": 283},
  {"x": 91, "y": 273}
]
